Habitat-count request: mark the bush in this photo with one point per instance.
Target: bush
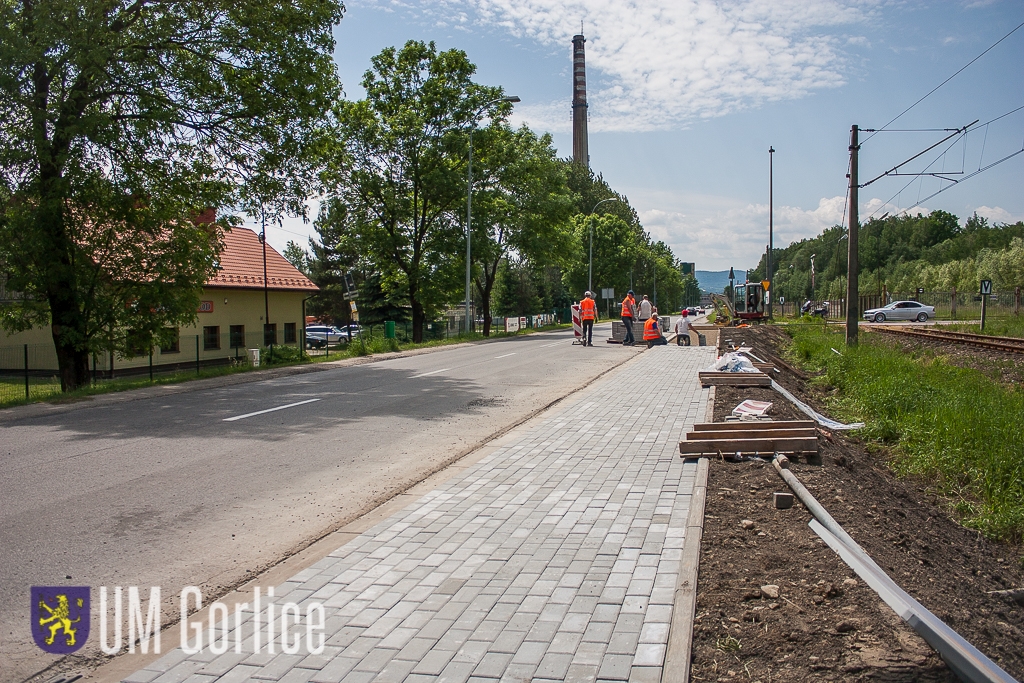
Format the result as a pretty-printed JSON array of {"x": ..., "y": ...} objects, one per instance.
[{"x": 281, "y": 355}]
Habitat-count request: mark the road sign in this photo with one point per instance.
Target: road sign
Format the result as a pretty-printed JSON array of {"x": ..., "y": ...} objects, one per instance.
[
  {"x": 986, "y": 286},
  {"x": 765, "y": 283},
  {"x": 352, "y": 306},
  {"x": 607, "y": 292},
  {"x": 782, "y": 299}
]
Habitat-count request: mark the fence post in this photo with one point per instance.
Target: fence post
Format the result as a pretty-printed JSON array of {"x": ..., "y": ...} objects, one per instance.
[
  {"x": 952, "y": 305},
  {"x": 150, "y": 363},
  {"x": 197, "y": 354},
  {"x": 1016, "y": 301},
  {"x": 26, "y": 372}
]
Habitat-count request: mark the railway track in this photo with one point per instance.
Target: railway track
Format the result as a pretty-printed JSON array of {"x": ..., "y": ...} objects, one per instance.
[{"x": 1010, "y": 344}]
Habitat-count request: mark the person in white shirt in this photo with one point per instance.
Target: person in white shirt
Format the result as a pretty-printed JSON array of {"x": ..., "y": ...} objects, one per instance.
[
  {"x": 645, "y": 310},
  {"x": 682, "y": 329}
]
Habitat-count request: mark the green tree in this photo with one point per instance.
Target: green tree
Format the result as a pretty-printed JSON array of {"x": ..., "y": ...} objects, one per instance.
[
  {"x": 520, "y": 204},
  {"x": 297, "y": 256},
  {"x": 398, "y": 171},
  {"x": 123, "y": 122}
]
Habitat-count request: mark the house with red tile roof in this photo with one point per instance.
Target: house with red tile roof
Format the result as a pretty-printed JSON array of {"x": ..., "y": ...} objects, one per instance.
[{"x": 236, "y": 312}]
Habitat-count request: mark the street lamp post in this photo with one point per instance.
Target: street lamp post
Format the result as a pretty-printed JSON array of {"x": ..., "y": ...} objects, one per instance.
[
  {"x": 771, "y": 225},
  {"x": 590, "y": 277},
  {"x": 469, "y": 201}
]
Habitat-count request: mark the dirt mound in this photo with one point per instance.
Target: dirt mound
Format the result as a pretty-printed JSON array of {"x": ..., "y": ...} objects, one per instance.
[{"x": 775, "y": 603}]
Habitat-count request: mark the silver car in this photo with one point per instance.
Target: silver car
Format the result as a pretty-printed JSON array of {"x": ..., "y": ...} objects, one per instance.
[
  {"x": 327, "y": 332},
  {"x": 900, "y": 310}
]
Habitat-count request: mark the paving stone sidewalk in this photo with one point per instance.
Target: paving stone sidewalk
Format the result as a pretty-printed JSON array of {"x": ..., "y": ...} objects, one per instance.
[{"x": 555, "y": 558}]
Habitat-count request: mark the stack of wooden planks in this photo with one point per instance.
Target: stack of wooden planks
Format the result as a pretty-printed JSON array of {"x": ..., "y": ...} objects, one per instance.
[
  {"x": 754, "y": 437},
  {"x": 734, "y": 379}
]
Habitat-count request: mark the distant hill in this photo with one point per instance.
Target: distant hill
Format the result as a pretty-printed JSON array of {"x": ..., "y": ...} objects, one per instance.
[{"x": 717, "y": 280}]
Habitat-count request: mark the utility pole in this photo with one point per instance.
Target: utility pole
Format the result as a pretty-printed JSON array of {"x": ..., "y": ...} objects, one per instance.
[
  {"x": 771, "y": 226},
  {"x": 853, "y": 262}
]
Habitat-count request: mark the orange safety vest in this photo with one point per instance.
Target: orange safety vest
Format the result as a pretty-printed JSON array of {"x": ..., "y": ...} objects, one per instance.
[
  {"x": 588, "y": 310},
  {"x": 625, "y": 308},
  {"x": 651, "y": 329}
]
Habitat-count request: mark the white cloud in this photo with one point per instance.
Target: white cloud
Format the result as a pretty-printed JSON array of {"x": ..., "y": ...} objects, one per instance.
[
  {"x": 717, "y": 233},
  {"x": 998, "y": 215},
  {"x": 661, "y": 63}
]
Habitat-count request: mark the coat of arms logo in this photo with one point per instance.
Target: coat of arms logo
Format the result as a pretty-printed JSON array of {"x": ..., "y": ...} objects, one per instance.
[{"x": 60, "y": 617}]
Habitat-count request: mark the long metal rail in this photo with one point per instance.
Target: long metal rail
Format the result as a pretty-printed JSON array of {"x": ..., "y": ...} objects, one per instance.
[{"x": 1011, "y": 344}]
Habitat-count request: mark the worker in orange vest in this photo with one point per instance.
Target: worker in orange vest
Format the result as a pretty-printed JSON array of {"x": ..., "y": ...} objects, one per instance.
[
  {"x": 588, "y": 314},
  {"x": 628, "y": 315},
  {"x": 652, "y": 335}
]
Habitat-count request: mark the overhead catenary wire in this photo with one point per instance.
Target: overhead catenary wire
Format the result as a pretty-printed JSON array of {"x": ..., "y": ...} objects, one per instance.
[
  {"x": 958, "y": 71},
  {"x": 973, "y": 128},
  {"x": 892, "y": 171}
]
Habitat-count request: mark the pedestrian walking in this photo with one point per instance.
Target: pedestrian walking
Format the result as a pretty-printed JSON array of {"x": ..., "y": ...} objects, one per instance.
[
  {"x": 628, "y": 315},
  {"x": 645, "y": 310},
  {"x": 652, "y": 335},
  {"x": 682, "y": 329},
  {"x": 588, "y": 314}
]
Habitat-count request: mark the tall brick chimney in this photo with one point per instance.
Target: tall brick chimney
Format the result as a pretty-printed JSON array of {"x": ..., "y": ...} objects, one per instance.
[{"x": 580, "y": 151}]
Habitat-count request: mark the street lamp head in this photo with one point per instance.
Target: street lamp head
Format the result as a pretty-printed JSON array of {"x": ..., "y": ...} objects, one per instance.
[{"x": 511, "y": 98}]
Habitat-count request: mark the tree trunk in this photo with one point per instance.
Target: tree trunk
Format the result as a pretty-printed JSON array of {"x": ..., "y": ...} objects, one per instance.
[
  {"x": 68, "y": 323},
  {"x": 485, "y": 289},
  {"x": 418, "y": 319},
  {"x": 72, "y": 361}
]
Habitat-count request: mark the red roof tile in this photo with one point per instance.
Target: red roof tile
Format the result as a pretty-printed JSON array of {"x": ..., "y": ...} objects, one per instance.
[{"x": 241, "y": 265}]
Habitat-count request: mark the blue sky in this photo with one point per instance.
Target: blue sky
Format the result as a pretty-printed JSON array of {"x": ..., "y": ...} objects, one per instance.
[{"x": 686, "y": 96}]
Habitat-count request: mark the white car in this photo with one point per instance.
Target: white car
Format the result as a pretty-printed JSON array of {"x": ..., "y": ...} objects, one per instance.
[{"x": 900, "y": 310}]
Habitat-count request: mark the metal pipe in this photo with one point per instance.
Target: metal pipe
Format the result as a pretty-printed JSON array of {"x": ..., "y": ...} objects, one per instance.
[{"x": 969, "y": 663}]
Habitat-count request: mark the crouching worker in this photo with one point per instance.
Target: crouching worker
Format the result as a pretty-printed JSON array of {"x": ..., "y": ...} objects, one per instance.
[
  {"x": 652, "y": 333},
  {"x": 682, "y": 329}
]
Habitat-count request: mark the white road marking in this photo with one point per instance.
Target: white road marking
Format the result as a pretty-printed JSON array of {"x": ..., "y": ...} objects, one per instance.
[
  {"x": 269, "y": 410},
  {"x": 432, "y": 372},
  {"x": 544, "y": 346},
  {"x": 505, "y": 356}
]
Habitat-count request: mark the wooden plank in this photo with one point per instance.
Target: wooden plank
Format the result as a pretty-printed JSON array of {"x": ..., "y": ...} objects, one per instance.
[
  {"x": 787, "y": 445},
  {"x": 751, "y": 434},
  {"x": 680, "y": 640},
  {"x": 765, "y": 367},
  {"x": 755, "y": 424},
  {"x": 736, "y": 379}
]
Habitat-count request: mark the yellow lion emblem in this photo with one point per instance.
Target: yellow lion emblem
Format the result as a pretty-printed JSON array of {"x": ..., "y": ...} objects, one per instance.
[{"x": 60, "y": 620}]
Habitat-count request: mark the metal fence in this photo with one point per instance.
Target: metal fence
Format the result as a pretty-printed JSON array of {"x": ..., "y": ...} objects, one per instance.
[
  {"x": 948, "y": 305},
  {"x": 30, "y": 371}
]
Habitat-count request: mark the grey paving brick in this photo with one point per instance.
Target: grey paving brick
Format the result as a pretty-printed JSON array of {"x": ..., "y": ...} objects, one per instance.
[
  {"x": 616, "y": 668},
  {"x": 554, "y": 665}
]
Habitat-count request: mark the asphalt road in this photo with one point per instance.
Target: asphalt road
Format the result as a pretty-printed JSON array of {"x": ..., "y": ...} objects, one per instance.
[{"x": 209, "y": 487}]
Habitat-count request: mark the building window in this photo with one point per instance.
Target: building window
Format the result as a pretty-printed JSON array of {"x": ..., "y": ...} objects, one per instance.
[
  {"x": 237, "y": 336},
  {"x": 270, "y": 334},
  {"x": 170, "y": 342},
  {"x": 289, "y": 333},
  {"x": 211, "y": 338}
]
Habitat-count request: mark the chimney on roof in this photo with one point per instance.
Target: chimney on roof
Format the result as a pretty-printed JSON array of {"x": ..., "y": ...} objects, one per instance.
[{"x": 580, "y": 151}]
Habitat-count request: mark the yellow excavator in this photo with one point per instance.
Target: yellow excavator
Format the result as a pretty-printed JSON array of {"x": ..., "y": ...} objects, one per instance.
[{"x": 725, "y": 314}]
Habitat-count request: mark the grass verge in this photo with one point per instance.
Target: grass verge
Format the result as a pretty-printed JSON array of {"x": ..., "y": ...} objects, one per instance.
[
  {"x": 952, "y": 425},
  {"x": 1012, "y": 326}
]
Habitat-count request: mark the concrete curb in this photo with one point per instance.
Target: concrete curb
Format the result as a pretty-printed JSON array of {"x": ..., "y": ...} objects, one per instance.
[{"x": 680, "y": 645}]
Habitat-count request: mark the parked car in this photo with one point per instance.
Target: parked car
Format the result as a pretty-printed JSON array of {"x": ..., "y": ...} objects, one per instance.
[
  {"x": 900, "y": 310},
  {"x": 328, "y": 332},
  {"x": 315, "y": 341}
]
